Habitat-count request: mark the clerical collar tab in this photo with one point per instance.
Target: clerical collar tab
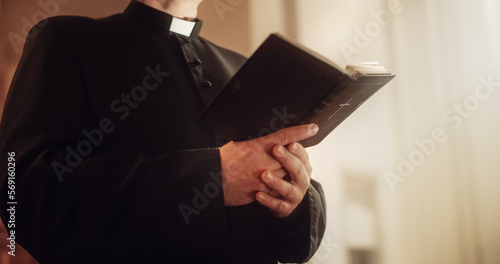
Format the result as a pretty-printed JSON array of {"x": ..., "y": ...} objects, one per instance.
[
  {"x": 157, "y": 19},
  {"x": 182, "y": 27}
]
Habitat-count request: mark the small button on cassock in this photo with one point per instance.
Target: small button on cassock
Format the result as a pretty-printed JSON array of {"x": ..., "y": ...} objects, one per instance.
[{"x": 207, "y": 84}]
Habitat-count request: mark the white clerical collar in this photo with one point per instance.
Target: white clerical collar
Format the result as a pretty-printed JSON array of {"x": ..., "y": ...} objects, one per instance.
[
  {"x": 160, "y": 20},
  {"x": 182, "y": 27}
]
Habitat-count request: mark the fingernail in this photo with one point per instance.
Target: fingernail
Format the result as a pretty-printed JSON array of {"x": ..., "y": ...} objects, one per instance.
[
  {"x": 313, "y": 129},
  {"x": 280, "y": 150},
  {"x": 269, "y": 177},
  {"x": 294, "y": 147}
]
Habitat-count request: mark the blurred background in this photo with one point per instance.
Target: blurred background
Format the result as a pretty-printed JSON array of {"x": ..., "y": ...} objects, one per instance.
[{"x": 414, "y": 175}]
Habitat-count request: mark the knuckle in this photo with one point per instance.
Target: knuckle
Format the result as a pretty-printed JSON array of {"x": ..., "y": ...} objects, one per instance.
[
  {"x": 255, "y": 143},
  {"x": 281, "y": 206},
  {"x": 299, "y": 169},
  {"x": 248, "y": 152},
  {"x": 302, "y": 170},
  {"x": 306, "y": 186},
  {"x": 309, "y": 170},
  {"x": 282, "y": 138},
  {"x": 290, "y": 191}
]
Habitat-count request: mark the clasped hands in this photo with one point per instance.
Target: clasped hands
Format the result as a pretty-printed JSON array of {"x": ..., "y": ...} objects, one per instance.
[{"x": 274, "y": 170}]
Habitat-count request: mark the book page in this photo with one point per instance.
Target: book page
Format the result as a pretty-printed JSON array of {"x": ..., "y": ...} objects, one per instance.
[{"x": 366, "y": 68}]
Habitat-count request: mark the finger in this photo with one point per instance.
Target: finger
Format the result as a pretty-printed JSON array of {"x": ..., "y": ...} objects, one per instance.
[
  {"x": 293, "y": 165},
  {"x": 263, "y": 187},
  {"x": 291, "y": 134},
  {"x": 280, "y": 207},
  {"x": 274, "y": 194},
  {"x": 280, "y": 173},
  {"x": 285, "y": 189},
  {"x": 300, "y": 152}
]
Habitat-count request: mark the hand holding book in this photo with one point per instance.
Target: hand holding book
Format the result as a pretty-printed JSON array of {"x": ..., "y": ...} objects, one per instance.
[{"x": 255, "y": 170}]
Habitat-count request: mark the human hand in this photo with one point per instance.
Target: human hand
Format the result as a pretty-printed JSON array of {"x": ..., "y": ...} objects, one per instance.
[
  {"x": 243, "y": 163},
  {"x": 287, "y": 193}
]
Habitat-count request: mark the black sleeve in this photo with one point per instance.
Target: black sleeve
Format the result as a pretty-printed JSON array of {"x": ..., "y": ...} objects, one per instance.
[
  {"x": 298, "y": 236},
  {"x": 168, "y": 206}
]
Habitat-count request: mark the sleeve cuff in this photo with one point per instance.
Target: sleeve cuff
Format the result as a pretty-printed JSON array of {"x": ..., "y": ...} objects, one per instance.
[{"x": 297, "y": 220}]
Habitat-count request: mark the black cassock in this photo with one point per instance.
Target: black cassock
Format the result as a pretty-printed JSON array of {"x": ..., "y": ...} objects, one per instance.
[{"x": 109, "y": 164}]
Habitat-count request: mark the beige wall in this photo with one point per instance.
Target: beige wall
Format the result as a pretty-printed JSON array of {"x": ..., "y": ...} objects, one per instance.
[{"x": 226, "y": 23}]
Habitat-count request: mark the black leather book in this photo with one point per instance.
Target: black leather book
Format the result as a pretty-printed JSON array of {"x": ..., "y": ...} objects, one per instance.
[{"x": 285, "y": 84}]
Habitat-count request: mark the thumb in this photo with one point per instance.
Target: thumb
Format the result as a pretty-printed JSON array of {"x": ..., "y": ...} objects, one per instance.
[{"x": 291, "y": 134}]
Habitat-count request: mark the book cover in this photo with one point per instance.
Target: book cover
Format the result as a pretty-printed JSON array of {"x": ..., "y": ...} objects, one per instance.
[{"x": 285, "y": 84}]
